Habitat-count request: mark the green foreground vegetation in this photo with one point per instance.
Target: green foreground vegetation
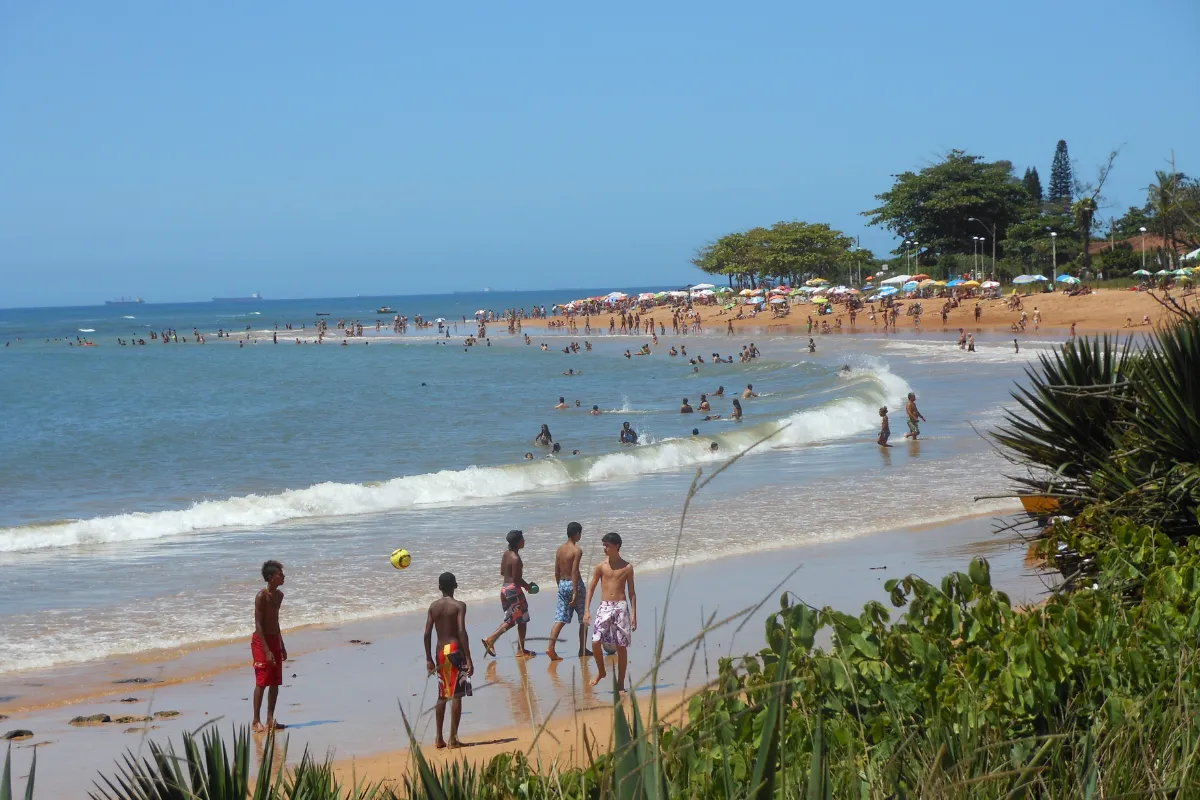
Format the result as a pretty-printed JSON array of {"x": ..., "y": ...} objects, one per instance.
[{"x": 948, "y": 691}]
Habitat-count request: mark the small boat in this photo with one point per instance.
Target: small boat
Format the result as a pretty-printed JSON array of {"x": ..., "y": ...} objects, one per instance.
[
  {"x": 1040, "y": 505},
  {"x": 322, "y": 313},
  {"x": 384, "y": 310}
]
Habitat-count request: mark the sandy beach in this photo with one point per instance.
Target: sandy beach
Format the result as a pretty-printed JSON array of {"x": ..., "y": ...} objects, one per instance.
[
  {"x": 343, "y": 683},
  {"x": 1104, "y": 310}
]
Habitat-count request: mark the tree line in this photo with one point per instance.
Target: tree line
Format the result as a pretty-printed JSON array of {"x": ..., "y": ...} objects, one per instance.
[{"x": 963, "y": 205}]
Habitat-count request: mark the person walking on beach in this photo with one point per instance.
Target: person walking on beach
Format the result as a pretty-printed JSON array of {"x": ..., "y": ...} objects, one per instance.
[
  {"x": 512, "y": 597},
  {"x": 571, "y": 590},
  {"x": 453, "y": 663},
  {"x": 266, "y": 646},
  {"x": 616, "y": 618},
  {"x": 914, "y": 430}
]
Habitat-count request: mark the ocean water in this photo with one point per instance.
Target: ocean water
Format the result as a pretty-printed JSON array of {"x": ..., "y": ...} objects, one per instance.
[{"x": 142, "y": 487}]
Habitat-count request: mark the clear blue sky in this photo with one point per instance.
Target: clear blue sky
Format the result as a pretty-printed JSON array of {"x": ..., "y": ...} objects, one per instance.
[{"x": 181, "y": 150}]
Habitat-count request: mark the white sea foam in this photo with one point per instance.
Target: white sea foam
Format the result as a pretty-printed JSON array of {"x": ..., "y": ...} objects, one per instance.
[
  {"x": 87, "y": 330},
  {"x": 128, "y": 317},
  {"x": 831, "y": 420}
]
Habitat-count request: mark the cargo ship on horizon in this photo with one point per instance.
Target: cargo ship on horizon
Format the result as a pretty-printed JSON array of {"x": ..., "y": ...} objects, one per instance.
[
  {"x": 124, "y": 301},
  {"x": 250, "y": 299}
]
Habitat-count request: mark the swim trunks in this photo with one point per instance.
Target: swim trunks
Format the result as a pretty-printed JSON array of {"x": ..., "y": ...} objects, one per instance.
[
  {"x": 563, "y": 612},
  {"x": 912, "y": 427},
  {"x": 516, "y": 608},
  {"x": 266, "y": 673},
  {"x": 613, "y": 625},
  {"x": 453, "y": 680}
]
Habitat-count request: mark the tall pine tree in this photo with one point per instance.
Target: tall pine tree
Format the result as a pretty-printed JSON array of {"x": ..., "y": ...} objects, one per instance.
[
  {"x": 1033, "y": 185},
  {"x": 1061, "y": 183}
]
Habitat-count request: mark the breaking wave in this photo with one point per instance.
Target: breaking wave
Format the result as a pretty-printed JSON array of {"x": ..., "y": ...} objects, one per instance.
[{"x": 834, "y": 419}]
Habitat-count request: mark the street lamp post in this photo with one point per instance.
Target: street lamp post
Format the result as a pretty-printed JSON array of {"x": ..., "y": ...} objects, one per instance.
[
  {"x": 974, "y": 254},
  {"x": 1054, "y": 258},
  {"x": 1143, "y": 230},
  {"x": 916, "y": 265},
  {"x": 992, "y": 231}
]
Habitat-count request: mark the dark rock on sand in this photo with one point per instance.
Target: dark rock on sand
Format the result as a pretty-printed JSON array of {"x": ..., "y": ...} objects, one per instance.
[
  {"x": 94, "y": 719},
  {"x": 136, "y": 680},
  {"x": 131, "y": 720},
  {"x": 130, "y": 700},
  {"x": 18, "y": 735},
  {"x": 5, "y": 716},
  {"x": 165, "y": 714}
]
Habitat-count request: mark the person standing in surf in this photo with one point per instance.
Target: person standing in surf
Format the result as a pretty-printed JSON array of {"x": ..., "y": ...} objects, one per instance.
[
  {"x": 571, "y": 590},
  {"x": 453, "y": 663},
  {"x": 616, "y": 618},
  {"x": 512, "y": 597},
  {"x": 266, "y": 646}
]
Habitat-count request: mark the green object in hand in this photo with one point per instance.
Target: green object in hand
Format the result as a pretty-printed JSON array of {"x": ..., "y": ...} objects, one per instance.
[{"x": 534, "y": 588}]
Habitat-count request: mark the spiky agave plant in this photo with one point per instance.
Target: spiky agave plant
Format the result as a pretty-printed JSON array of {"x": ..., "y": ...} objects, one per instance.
[{"x": 6, "y": 779}]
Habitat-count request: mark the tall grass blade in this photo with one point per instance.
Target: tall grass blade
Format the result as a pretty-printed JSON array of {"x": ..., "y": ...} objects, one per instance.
[{"x": 762, "y": 781}]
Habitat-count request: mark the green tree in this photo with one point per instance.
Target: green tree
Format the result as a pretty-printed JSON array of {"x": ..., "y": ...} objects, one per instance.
[
  {"x": 1061, "y": 178},
  {"x": 1028, "y": 243},
  {"x": 1129, "y": 225},
  {"x": 933, "y": 206},
  {"x": 1033, "y": 186}
]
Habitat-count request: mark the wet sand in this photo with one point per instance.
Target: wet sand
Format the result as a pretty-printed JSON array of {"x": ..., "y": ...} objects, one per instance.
[{"x": 343, "y": 699}]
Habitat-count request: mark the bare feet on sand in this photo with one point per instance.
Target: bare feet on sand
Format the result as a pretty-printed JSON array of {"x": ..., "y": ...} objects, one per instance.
[
  {"x": 440, "y": 744},
  {"x": 553, "y": 655},
  {"x": 601, "y": 675},
  {"x": 526, "y": 654},
  {"x": 455, "y": 743},
  {"x": 271, "y": 725}
]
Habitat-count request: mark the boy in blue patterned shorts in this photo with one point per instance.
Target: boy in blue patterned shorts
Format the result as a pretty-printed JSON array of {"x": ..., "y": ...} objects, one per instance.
[{"x": 571, "y": 591}]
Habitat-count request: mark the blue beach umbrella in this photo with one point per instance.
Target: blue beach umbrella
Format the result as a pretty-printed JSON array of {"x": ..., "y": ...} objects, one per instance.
[
  {"x": 956, "y": 282},
  {"x": 911, "y": 286},
  {"x": 1067, "y": 279},
  {"x": 1020, "y": 280},
  {"x": 888, "y": 291}
]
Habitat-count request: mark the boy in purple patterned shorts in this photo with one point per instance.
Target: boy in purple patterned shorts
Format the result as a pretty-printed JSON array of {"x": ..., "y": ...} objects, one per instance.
[{"x": 615, "y": 623}]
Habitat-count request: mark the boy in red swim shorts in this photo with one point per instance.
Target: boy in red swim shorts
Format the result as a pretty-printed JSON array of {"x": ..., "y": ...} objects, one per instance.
[
  {"x": 453, "y": 663},
  {"x": 266, "y": 646}
]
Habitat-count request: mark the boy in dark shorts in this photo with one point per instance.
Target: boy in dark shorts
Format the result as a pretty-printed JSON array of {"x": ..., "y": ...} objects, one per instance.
[
  {"x": 885, "y": 430},
  {"x": 266, "y": 646},
  {"x": 571, "y": 591},
  {"x": 453, "y": 664},
  {"x": 512, "y": 597},
  {"x": 615, "y": 623}
]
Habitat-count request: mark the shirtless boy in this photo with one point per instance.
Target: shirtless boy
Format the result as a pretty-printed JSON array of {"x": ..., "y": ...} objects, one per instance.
[
  {"x": 512, "y": 597},
  {"x": 266, "y": 646},
  {"x": 746, "y": 395},
  {"x": 571, "y": 591},
  {"x": 614, "y": 623},
  {"x": 453, "y": 664}
]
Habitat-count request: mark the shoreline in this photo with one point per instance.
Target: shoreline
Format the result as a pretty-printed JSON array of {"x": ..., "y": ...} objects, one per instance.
[
  {"x": 339, "y": 697},
  {"x": 96, "y": 679}
]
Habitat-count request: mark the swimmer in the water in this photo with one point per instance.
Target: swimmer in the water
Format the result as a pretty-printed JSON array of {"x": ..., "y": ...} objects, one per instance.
[
  {"x": 746, "y": 395},
  {"x": 812, "y": 346},
  {"x": 712, "y": 417},
  {"x": 685, "y": 408},
  {"x": 704, "y": 406},
  {"x": 720, "y": 392},
  {"x": 555, "y": 450},
  {"x": 562, "y": 403},
  {"x": 529, "y": 456},
  {"x": 595, "y": 412},
  {"x": 737, "y": 409},
  {"x": 544, "y": 439},
  {"x": 714, "y": 447},
  {"x": 628, "y": 435}
]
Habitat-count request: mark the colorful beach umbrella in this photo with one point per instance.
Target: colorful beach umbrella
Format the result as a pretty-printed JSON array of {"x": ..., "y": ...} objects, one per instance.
[
  {"x": 888, "y": 291},
  {"x": 971, "y": 284},
  {"x": 990, "y": 284},
  {"x": 820, "y": 299},
  {"x": 910, "y": 286},
  {"x": 1142, "y": 272},
  {"x": 956, "y": 282},
  {"x": 700, "y": 286},
  {"x": 921, "y": 277},
  {"x": 777, "y": 300},
  {"x": 1067, "y": 279}
]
